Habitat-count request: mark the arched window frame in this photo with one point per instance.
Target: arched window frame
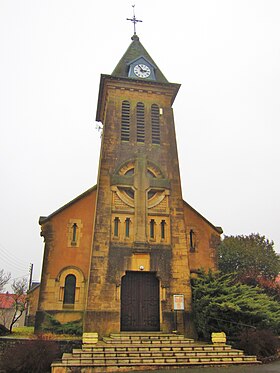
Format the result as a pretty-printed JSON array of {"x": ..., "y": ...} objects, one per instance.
[
  {"x": 79, "y": 290},
  {"x": 74, "y": 232}
]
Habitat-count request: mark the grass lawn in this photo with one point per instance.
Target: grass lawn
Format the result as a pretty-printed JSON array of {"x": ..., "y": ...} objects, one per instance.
[
  {"x": 23, "y": 331},
  {"x": 28, "y": 332}
]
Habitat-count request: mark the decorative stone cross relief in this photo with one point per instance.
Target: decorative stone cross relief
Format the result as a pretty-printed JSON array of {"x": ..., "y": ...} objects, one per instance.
[{"x": 141, "y": 180}]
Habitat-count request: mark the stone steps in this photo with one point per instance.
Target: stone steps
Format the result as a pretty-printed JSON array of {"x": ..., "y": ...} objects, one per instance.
[
  {"x": 146, "y": 361},
  {"x": 93, "y": 355},
  {"x": 147, "y": 342},
  {"x": 154, "y": 338},
  {"x": 203, "y": 349},
  {"x": 148, "y": 350}
]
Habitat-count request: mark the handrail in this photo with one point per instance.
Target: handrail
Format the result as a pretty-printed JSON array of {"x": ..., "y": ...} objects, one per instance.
[{"x": 234, "y": 322}]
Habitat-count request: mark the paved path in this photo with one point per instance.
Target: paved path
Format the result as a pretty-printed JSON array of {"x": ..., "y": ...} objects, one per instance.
[{"x": 262, "y": 368}]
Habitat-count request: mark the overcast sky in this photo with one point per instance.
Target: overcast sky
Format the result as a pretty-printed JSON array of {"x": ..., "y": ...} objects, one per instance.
[{"x": 226, "y": 55}]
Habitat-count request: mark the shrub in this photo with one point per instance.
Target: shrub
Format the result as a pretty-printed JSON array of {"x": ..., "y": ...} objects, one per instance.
[
  {"x": 262, "y": 343},
  {"x": 220, "y": 303},
  {"x": 32, "y": 356},
  {"x": 52, "y": 325},
  {"x": 73, "y": 327},
  {"x": 4, "y": 330}
]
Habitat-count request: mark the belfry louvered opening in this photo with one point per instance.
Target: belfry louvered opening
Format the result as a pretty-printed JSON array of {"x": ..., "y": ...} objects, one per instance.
[
  {"x": 155, "y": 124},
  {"x": 125, "y": 125},
  {"x": 140, "y": 122}
]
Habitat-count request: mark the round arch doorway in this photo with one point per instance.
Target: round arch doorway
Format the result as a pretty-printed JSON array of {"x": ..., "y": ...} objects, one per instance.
[{"x": 140, "y": 302}]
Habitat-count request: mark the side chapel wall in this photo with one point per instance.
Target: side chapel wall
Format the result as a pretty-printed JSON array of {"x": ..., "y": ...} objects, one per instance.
[{"x": 63, "y": 256}]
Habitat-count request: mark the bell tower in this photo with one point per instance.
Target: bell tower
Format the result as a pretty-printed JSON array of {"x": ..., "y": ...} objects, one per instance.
[{"x": 139, "y": 257}]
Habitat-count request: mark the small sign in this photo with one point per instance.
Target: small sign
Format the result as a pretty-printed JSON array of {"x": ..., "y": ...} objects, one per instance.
[{"x": 178, "y": 302}]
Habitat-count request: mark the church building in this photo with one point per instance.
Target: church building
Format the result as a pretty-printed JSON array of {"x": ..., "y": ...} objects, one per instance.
[{"x": 120, "y": 256}]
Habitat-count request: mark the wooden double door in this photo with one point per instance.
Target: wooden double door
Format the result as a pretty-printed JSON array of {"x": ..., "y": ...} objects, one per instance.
[{"x": 140, "y": 302}]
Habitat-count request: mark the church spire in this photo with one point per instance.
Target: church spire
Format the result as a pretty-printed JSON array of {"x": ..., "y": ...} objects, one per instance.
[
  {"x": 136, "y": 62},
  {"x": 135, "y": 54}
]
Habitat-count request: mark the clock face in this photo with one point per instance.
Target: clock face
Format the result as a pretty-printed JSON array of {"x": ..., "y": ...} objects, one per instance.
[{"x": 142, "y": 71}]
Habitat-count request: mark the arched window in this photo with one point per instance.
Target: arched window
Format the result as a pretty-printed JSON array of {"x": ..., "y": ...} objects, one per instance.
[
  {"x": 116, "y": 226},
  {"x": 152, "y": 228},
  {"x": 125, "y": 124},
  {"x": 162, "y": 229},
  {"x": 127, "y": 227},
  {"x": 140, "y": 122},
  {"x": 74, "y": 233},
  {"x": 192, "y": 241},
  {"x": 155, "y": 124},
  {"x": 69, "y": 289}
]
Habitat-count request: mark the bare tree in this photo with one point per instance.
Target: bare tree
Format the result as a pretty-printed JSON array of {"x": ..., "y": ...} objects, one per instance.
[
  {"x": 4, "y": 317},
  {"x": 20, "y": 299},
  {"x": 4, "y": 279}
]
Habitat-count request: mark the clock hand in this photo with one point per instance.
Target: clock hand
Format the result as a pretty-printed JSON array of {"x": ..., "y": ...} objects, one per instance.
[{"x": 144, "y": 70}]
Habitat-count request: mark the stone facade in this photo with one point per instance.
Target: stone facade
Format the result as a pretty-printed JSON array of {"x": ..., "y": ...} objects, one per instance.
[
  {"x": 64, "y": 256},
  {"x": 135, "y": 221}
]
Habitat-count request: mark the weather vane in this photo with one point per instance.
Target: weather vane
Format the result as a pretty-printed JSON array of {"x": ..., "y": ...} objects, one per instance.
[{"x": 134, "y": 20}]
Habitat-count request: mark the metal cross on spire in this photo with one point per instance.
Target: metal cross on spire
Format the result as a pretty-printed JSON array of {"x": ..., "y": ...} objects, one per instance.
[{"x": 134, "y": 20}]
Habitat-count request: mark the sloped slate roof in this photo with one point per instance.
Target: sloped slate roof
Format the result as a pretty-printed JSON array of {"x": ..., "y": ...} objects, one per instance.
[{"x": 134, "y": 51}]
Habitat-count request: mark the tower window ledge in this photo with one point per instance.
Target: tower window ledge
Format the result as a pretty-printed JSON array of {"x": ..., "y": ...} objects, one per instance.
[
  {"x": 68, "y": 306},
  {"x": 122, "y": 210}
]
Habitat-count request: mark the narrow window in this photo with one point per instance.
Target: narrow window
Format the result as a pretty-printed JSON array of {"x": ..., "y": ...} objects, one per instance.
[
  {"x": 127, "y": 227},
  {"x": 162, "y": 229},
  {"x": 74, "y": 233},
  {"x": 192, "y": 241},
  {"x": 140, "y": 122},
  {"x": 116, "y": 227},
  {"x": 152, "y": 228},
  {"x": 69, "y": 289},
  {"x": 155, "y": 124},
  {"x": 125, "y": 124}
]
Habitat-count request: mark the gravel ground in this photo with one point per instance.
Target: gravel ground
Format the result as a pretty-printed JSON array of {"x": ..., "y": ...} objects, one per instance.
[{"x": 262, "y": 368}]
